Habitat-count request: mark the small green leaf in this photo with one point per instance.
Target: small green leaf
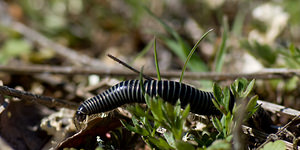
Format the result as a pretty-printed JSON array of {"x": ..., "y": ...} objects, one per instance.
[
  {"x": 186, "y": 112},
  {"x": 226, "y": 100},
  {"x": 249, "y": 88},
  {"x": 220, "y": 145},
  {"x": 277, "y": 145},
  {"x": 239, "y": 86},
  {"x": 147, "y": 124},
  {"x": 156, "y": 109},
  {"x": 228, "y": 123},
  {"x": 135, "y": 129},
  {"x": 180, "y": 145},
  {"x": 177, "y": 109},
  {"x": 217, "y": 93},
  {"x": 217, "y": 105},
  {"x": 217, "y": 124},
  {"x": 160, "y": 143},
  {"x": 252, "y": 103},
  {"x": 170, "y": 138},
  {"x": 155, "y": 127},
  {"x": 242, "y": 83},
  {"x": 148, "y": 100},
  {"x": 292, "y": 49},
  {"x": 135, "y": 121},
  {"x": 224, "y": 125},
  {"x": 138, "y": 111},
  {"x": 167, "y": 112}
]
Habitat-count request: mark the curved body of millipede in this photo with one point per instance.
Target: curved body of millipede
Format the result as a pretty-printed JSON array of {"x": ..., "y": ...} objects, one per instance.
[{"x": 130, "y": 91}]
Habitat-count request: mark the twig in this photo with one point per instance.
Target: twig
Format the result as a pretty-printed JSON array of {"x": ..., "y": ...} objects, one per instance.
[
  {"x": 127, "y": 66},
  {"x": 278, "y": 108},
  {"x": 48, "y": 101},
  {"x": 264, "y": 74}
]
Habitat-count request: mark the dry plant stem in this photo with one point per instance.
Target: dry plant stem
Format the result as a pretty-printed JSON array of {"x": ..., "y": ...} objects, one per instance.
[
  {"x": 274, "y": 108},
  {"x": 128, "y": 66},
  {"x": 44, "y": 100},
  {"x": 279, "y": 131},
  {"x": 267, "y": 74}
]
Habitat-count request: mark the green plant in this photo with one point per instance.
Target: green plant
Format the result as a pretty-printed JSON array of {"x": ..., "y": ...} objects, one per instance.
[
  {"x": 160, "y": 114},
  {"x": 163, "y": 115},
  {"x": 276, "y": 145},
  {"x": 191, "y": 54},
  {"x": 241, "y": 88}
]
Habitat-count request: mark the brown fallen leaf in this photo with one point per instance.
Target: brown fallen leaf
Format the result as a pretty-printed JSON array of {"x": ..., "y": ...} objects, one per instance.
[{"x": 97, "y": 126}]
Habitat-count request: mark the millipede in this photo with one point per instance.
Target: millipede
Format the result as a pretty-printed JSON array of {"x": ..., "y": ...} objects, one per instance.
[{"x": 130, "y": 91}]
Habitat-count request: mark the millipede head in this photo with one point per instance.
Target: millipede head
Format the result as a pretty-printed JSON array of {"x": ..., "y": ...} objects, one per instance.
[{"x": 80, "y": 116}]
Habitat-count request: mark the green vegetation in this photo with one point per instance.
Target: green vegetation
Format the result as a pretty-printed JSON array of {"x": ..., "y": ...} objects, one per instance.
[
  {"x": 172, "y": 121},
  {"x": 215, "y": 37}
]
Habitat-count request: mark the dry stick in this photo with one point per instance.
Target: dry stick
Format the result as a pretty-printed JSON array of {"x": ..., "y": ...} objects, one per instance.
[
  {"x": 274, "y": 108},
  {"x": 265, "y": 74},
  {"x": 48, "y": 101},
  {"x": 128, "y": 66}
]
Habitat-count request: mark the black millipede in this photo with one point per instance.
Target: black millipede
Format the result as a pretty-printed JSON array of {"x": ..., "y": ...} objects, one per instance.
[{"x": 130, "y": 91}]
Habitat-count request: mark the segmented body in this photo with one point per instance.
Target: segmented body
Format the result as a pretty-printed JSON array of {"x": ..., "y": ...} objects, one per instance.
[{"x": 131, "y": 92}]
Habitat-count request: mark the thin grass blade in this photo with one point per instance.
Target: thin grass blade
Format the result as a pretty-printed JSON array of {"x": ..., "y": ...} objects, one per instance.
[
  {"x": 191, "y": 54},
  {"x": 156, "y": 61}
]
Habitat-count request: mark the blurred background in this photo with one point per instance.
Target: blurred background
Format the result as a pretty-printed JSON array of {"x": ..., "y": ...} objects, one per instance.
[{"x": 247, "y": 37}]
